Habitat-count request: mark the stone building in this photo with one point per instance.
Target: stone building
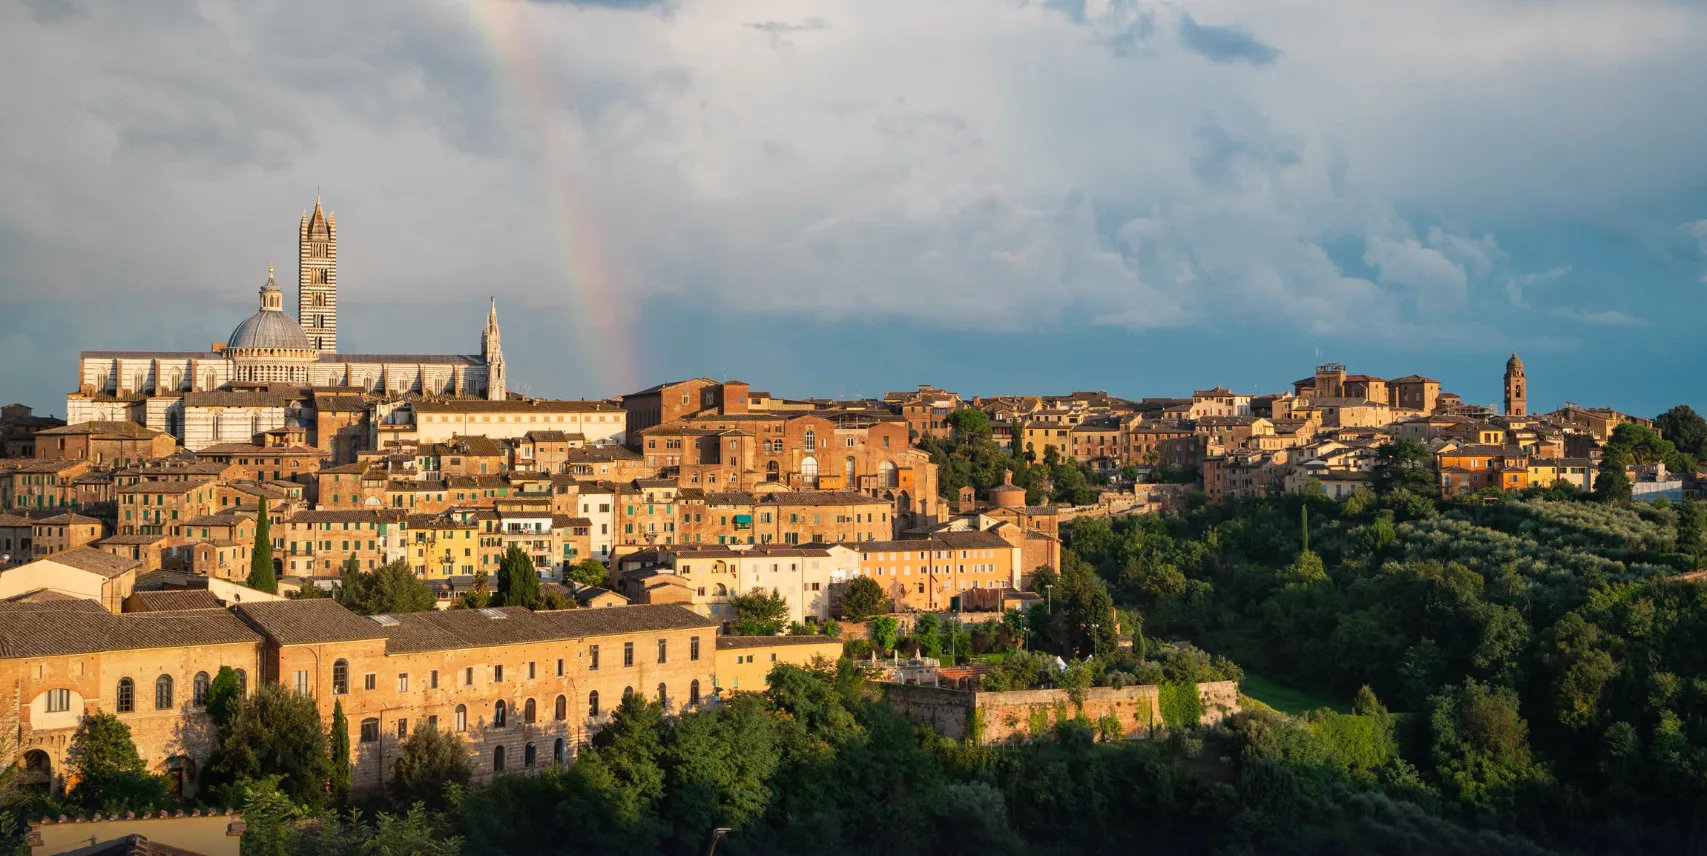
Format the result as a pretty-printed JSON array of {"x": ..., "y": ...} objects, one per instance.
[
  {"x": 260, "y": 378},
  {"x": 525, "y": 689}
]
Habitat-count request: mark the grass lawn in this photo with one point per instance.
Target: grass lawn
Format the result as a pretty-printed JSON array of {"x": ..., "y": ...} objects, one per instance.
[{"x": 1287, "y": 699}]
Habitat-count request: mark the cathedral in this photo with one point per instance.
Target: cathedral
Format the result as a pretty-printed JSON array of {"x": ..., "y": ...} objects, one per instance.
[{"x": 264, "y": 376}]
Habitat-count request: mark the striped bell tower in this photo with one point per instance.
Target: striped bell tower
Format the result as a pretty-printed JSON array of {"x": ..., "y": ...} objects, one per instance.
[{"x": 317, "y": 278}]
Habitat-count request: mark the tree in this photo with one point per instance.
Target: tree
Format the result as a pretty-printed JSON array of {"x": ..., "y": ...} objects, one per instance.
[
  {"x": 1404, "y": 464},
  {"x": 339, "y": 747},
  {"x": 479, "y": 594},
  {"x": 110, "y": 774},
  {"x": 1685, "y": 428},
  {"x": 391, "y": 588},
  {"x": 864, "y": 599},
  {"x": 969, "y": 424},
  {"x": 760, "y": 613},
  {"x": 589, "y": 572},
  {"x": 1612, "y": 483},
  {"x": 518, "y": 580},
  {"x": 224, "y": 696},
  {"x": 431, "y": 760},
  {"x": 885, "y": 631},
  {"x": 277, "y": 732},
  {"x": 261, "y": 575}
]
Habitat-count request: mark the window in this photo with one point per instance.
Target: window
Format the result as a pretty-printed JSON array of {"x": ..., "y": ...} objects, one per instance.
[
  {"x": 497, "y": 674},
  {"x": 370, "y": 730},
  {"x": 627, "y": 654},
  {"x": 402, "y": 729},
  {"x": 626, "y": 692},
  {"x": 693, "y": 648},
  {"x": 693, "y": 692},
  {"x": 562, "y": 711},
  {"x": 340, "y": 677},
  {"x": 403, "y": 682},
  {"x": 462, "y": 717},
  {"x": 593, "y": 653},
  {"x": 498, "y": 711},
  {"x": 198, "y": 688},
  {"x": 242, "y": 683},
  {"x": 58, "y": 701},
  {"x": 302, "y": 681},
  {"x": 528, "y": 712},
  {"x": 557, "y": 752},
  {"x": 664, "y": 696},
  {"x": 530, "y": 670},
  {"x": 593, "y": 703},
  {"x": 528, "y": 756},
  {"x": 163, "y": 693},
  {"x": 126, "y": 695},
  {"x": 468, "y": 677},
  {"x": 560, "y": 667},
  {"x": 498, "y": 760},
  {"x": 433, "y": 679},
  {"x": 370, "y": 681},
  {"x": 663, "y": 651}
]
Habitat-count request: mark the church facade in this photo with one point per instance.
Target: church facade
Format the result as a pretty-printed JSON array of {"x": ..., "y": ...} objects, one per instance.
[{"x": 261, "y": 377}]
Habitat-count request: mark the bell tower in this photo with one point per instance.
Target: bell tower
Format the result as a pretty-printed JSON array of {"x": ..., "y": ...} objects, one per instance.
[
  {"x": 1516, "y": 388},
  {"x": 492, "y": 353},
  {"x": 317, "y": 278}
]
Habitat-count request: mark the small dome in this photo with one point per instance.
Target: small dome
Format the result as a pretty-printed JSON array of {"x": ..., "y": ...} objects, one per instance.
[
  {"x": 1514, "y": 362},
  {"x": 269, "y": 328}
]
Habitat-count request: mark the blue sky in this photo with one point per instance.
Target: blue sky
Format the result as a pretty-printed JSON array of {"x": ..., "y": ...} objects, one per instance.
[{"x": 840, "y": 198}]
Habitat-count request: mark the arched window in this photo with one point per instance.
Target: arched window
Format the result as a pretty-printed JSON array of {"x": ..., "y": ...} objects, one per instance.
[
  {"x": 163, "y": 693},
  {"x": 809, "y": 472},
  {"x": 557, "y": 752},
  {"x": 127, "y": 695},
  {"x": 720, "y": 590},
  {"x": 562, "y": 708},
  {"x": 141, "y": 380},
  {"x": 693, "y": 693},
  {"x": 38, "y": 769},
  {"x": 811, "y": 440},
  {"x": 772, "y": 471},
  {"x": 886, "y": 473},
  {"x": 528, "y": 712},
  {"x": 848, "y": 470},
  {"x": 626, "y": 692},
  {"x": 242, "y": 684},
  {"x": 593, "y": 703},
  {"x": 462, "y": 717},
  {"x": 529, "y": 755},
  {"x": 498, "y": 760},
  {"x": 664, "y": 696},
  {"x": 498, "y": 711},
  {"x": 199, "y": 688},
  {"x": 341, "y": 677},
  {"x": 212, "y": 381}
]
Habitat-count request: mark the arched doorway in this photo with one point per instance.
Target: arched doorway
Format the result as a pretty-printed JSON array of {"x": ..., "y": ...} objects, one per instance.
[
  {"x": 38, "y": 771},
  {"x": 181, "y": 775}
]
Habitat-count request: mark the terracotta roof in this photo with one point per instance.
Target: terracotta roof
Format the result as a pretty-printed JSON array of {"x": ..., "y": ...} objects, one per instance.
[
  {"x": 826, "y": 497},
  {"x": 69, "y": 518},
  {"x": 46, "y": 632},
  {"x": 173, "y": 486},
  {"x": 362, "y": 515},
  {"x": 116, "y": 429},
  {"x": 975, "y": 539},
  {"x": 727, "y": 642},
  {"x": 99, "y": 562},
  {"x": 171, "y": 600},
  {"x": 472, "y": 628},
  {"x": 302, "y": 622},
  {"x": 526, "y": 406},
  {"x": 36, "y": 597}
]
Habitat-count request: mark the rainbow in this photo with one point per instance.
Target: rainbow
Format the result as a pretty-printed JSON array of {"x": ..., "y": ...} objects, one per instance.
[{"x": 598, "y": 336}]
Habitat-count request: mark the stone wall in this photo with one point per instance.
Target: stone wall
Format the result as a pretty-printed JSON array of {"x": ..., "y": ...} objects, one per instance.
[{"x": 999, "y": 717}]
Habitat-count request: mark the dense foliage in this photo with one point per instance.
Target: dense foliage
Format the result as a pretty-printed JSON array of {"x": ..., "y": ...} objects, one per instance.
[
  {"x": 972, "y": 457},
  {"x": 1549, "y": 671},
  {"x": 518, "y": 579},
  {"x": 262, "y": 577},
  {"x": 388, "y": 589}
]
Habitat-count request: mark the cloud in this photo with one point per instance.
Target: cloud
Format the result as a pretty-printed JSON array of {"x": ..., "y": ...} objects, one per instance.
[
  {"x": 1699, "y": 230},
  {"x": 1224, "y": 44},
  {"x": 957, "y": 164},
  {"x": 1515, "y": 286},
  {"x": 1602, "y": 317}
]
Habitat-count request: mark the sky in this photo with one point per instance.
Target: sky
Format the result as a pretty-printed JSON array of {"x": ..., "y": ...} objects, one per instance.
[{"x": 850, "y": 197}]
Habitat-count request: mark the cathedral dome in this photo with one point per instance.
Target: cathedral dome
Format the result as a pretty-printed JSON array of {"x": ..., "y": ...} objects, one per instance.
[
  {"x": 1513, "y": 363},
  {"x": 270, "y": 327}
]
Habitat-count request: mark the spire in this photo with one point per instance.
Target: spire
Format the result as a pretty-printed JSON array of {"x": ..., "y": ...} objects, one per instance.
[{"x": 492, "y": 352}]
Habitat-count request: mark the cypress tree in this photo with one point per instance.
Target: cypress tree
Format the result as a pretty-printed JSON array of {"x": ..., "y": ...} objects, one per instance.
[
  {"x": 340, "y": 750},
  {"x": 261, "y": 576}
]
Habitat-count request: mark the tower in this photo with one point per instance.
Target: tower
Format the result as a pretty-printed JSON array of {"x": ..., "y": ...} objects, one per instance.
[
  {"x": 317, "y": 278},
  {"x": 1516, "y": 393},
  {"x": 492, "y": 353}
]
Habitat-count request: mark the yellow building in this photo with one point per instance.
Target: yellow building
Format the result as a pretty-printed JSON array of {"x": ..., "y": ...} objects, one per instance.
[{"x": 744, "y": 663}]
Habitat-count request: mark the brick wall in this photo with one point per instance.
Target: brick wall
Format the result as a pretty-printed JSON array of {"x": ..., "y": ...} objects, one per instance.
[{"x": 1011, "y": 715}]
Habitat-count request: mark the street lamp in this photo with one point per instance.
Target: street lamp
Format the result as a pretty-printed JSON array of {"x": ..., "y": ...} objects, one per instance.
[{"x": 716, "y": 834}]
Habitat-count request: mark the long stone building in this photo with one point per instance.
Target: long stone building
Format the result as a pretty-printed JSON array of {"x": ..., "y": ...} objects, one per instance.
[{"x": 256, "y": 380}]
